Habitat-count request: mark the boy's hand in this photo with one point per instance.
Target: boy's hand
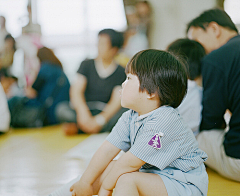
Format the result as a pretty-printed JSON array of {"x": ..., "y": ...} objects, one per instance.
[
  {"x": 81, "y": 189},
  {"x": 104, "y": 192}
]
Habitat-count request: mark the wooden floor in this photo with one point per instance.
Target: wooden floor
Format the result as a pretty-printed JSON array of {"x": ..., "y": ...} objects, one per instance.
[{"x": 32, "y": 163}]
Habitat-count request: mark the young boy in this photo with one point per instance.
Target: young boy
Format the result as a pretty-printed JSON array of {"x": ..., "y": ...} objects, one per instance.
[
  {"x": 191, "y": 106},
  {"x": 94, "y": 94},
  {"x": 162, "y": 156}
]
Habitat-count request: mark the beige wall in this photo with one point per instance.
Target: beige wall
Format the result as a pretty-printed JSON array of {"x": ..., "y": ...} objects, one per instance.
[{"x": 170, "y": 18}]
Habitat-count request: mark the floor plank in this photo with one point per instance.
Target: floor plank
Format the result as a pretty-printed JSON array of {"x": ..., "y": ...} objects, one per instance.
[{"x": 32, "y": 163}]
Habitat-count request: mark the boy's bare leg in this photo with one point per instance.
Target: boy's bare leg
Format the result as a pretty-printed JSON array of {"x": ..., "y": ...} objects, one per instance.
[{"x": 140, "y": 184}]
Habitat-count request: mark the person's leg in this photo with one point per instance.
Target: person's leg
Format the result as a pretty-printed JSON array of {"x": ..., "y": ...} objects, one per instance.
[
  {"x": 139, "y": 183},
  {"x": 64, "y": 113},
  {"x": 111, "y": 123},
  {"x": 212, "y": 143}
]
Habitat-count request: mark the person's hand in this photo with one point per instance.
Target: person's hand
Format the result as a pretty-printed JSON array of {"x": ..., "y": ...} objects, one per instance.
[
  {"x": 81, "y": 189},
  {"x": 30, "y": 92},
  {"x": 104, "y": 192},
  {"x": 88, "y": 124}
]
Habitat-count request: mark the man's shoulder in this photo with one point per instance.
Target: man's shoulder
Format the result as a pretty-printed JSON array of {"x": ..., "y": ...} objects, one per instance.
[
  {"x": 223, "y": 55},
  {"x": 232, "y": 46}
]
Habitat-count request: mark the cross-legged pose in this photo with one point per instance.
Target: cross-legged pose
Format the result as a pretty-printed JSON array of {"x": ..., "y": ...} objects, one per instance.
[{"x": 162, "y": 155}]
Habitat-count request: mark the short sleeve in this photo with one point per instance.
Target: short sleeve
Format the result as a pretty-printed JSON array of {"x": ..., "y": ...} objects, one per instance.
[
  {"x": 120, "y": 134},
  {"x": 174, "y": 142},
  {"x": 84, "y": 67}
]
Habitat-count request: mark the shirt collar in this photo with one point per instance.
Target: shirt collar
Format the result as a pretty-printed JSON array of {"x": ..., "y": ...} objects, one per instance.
[{"x": 141, "y": 117}]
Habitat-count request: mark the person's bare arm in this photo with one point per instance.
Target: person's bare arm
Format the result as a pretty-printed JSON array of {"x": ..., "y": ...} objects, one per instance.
[
  {"x": 85, "y": 120},
  {"x": 113, "y": 106},
  {"x": 30, "y": 92},
  {"x": 125, "y": 164},
  {"x": 97, "y": 165},
  {"x": 77, "y": 95}
]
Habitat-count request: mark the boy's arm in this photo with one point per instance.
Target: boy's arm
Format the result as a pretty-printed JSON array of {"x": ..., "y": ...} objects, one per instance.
[
  {"x": 125, "y": 164},
  {"x": 101, "y": 159}
]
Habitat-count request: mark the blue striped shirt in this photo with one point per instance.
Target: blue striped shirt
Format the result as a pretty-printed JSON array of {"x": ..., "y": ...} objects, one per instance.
[{"x": 179, "y": 148}]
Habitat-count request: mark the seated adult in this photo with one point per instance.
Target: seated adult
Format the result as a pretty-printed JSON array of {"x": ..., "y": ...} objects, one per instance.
[
  {"x": 191, "y": 106},
  {"x": 219, "y": 36},
  {"x": 94, "y": 94},
  {"x": 50, "y": 88}
]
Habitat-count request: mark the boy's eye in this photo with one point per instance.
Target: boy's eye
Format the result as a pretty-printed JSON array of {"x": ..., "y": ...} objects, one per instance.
[{"x": 128, "y": 78}]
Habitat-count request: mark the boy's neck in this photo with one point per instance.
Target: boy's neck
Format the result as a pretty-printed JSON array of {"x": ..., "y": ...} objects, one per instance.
[{"x": 146, "y": 108}]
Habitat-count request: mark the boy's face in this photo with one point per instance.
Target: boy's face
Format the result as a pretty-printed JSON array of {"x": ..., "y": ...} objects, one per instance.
[
  {"x": 131, "y": 96},
  {"x": 104, "y": 46}
]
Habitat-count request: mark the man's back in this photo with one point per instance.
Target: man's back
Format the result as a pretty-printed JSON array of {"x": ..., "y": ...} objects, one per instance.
[{"x": 221, "y": 79}]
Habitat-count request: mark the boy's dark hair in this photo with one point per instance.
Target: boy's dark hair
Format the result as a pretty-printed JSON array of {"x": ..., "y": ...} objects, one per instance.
[
  {"x": 116, "y": 38},
  {"x": 162, "y": 73},
  {"x": 192, "y": 52},
  {"x": 213, "y": 15}
]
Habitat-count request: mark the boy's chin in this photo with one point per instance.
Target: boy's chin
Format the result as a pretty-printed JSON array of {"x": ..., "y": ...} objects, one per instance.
[{"x": 124, "y": 105}]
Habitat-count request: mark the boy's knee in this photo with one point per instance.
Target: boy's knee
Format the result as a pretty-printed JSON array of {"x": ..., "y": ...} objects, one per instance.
[{"x": 126, "y": 179}]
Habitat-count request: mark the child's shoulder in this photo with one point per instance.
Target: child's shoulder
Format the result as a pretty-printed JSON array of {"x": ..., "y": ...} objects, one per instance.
[
  {"x": 166, "y": 112},
  {"x": 166, "y": 117}
]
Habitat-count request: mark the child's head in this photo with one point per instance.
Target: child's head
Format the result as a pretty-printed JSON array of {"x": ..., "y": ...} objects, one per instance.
[
  {"x": 110, "y": 41},
  {"x": 46, "y": 55},
  {"x": 9, "y": 42},
  {"x": 161, "y": 73},
  {"x": 192, "y": 51}
]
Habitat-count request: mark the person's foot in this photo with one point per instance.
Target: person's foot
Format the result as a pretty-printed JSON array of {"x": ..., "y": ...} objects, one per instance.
[{"x": 70, "y": 129}]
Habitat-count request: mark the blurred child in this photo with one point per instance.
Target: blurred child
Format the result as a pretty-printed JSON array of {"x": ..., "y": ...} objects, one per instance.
[
  {"x": 50, "y": 87},
  {"x": 162, "y": 155},
  {"x": 94, "y": 93},
  {"x": 7, "y": 53},
  {"x": 191, "y": 106}
]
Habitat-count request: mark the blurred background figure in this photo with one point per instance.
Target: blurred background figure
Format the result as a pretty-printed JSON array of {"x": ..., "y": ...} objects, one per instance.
[
  {"x": 95, "y": 92},
  {"x": 3, "y": 31},
  {"x": 30, "y": 42},
  {"x": 136, "y": 36},
  {"x": 4, "y": 112},
  {"x": 7, "y": 54},
  {"x": 50, "y": 88},
  {"x": 191, "y": 106},
  {"x": 144, "y": 12}
]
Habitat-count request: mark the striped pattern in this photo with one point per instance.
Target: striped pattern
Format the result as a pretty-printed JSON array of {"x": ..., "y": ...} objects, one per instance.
[{"x": 179, "y": 146}]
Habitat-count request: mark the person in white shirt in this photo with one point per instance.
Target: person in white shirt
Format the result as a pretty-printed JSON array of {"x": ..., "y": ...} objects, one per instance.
[
  {"x": 191, "y": 106},
  {"x": 4, "y": 112},
  {"x": 3, "y": 31}
]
